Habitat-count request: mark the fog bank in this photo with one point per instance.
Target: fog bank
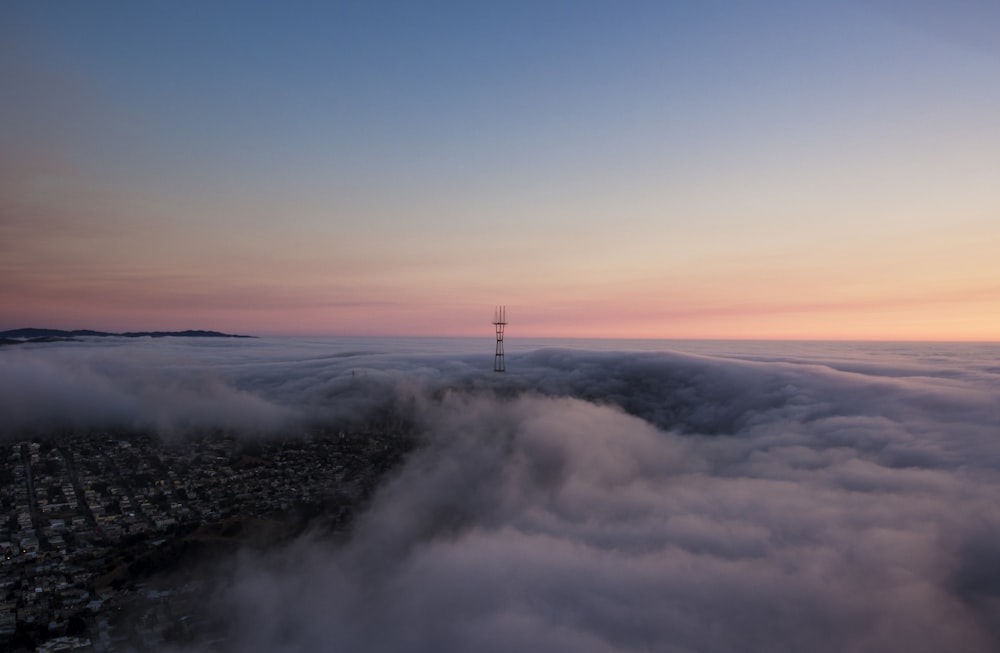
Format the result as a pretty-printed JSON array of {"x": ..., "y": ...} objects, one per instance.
[{"x": 600, "y": 501}]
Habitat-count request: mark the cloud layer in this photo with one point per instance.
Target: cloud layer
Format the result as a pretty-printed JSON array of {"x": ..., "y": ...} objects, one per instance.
[{"x": 820, "y": 499}]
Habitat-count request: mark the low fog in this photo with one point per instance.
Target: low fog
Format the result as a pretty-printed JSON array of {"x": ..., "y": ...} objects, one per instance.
[{"x": 808, "y": 497}]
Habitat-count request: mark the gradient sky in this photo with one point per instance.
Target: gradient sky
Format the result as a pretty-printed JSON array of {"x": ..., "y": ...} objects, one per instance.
[{"x": 774, "y": 169}]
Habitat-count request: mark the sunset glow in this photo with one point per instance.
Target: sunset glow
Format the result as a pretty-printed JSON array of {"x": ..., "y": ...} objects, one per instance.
[{"x": 790, "y": 171}]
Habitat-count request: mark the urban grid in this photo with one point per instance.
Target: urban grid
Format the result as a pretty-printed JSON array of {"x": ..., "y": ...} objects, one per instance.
[{"x": 89, "y": 522}]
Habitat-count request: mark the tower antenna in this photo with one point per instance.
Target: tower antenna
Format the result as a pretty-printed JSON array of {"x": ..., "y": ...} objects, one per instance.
[{"x": 499, "y": 321}]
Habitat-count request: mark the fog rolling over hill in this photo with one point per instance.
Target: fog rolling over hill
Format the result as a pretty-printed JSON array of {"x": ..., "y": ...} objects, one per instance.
[{"x": 669, "y": 497}]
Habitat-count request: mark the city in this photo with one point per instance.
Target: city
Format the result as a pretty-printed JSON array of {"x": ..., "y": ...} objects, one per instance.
[{"x": 90, "y": 521}]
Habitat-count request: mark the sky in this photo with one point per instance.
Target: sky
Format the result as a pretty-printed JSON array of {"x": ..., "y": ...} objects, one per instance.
[{"x": 775, "y": 170}]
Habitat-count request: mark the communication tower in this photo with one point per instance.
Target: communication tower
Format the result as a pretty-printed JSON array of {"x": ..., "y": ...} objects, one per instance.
[{"x": 499, "y": 321}]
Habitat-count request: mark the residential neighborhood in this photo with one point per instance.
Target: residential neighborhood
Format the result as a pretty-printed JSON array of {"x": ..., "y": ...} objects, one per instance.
[{"x": 91, "y": 523}]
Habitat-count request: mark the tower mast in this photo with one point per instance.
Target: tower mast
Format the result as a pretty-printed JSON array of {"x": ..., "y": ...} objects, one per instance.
[{"x": 499, "y": 321}]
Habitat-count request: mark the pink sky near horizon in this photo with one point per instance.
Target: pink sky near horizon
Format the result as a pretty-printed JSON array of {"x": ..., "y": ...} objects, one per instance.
[{"x": 810, "y": 174}]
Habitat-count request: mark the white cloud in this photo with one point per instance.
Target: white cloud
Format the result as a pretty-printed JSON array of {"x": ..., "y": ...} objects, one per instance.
[{"x": 602, "y": 501}]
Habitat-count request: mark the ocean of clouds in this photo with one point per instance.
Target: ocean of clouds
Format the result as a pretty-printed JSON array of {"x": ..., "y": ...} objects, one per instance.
[{"x": 792, "y": 498}]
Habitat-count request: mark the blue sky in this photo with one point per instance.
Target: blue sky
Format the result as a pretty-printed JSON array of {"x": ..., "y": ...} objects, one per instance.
[{"x": 786, "y": 164}]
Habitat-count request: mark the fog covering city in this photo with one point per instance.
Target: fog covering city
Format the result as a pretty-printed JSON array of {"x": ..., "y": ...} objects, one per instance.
[{"x": 715, "y": 497}]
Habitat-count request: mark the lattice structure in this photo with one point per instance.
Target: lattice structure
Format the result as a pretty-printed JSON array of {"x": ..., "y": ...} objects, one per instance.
[{"x": 499, "y": 321}]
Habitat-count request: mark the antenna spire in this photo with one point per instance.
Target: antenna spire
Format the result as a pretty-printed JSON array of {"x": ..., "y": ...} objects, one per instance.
[{"x": 499, "y": 321}]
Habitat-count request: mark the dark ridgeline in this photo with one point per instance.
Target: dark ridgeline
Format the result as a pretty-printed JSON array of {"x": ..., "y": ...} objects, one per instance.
[{"x": 20, "y": 336}]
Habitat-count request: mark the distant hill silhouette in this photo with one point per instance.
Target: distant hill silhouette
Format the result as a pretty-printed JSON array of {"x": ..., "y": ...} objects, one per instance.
[{"x": 21, "y": 336}]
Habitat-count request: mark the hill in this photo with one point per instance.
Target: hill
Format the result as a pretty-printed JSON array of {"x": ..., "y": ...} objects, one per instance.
[{"x": 18, "y": 336}]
